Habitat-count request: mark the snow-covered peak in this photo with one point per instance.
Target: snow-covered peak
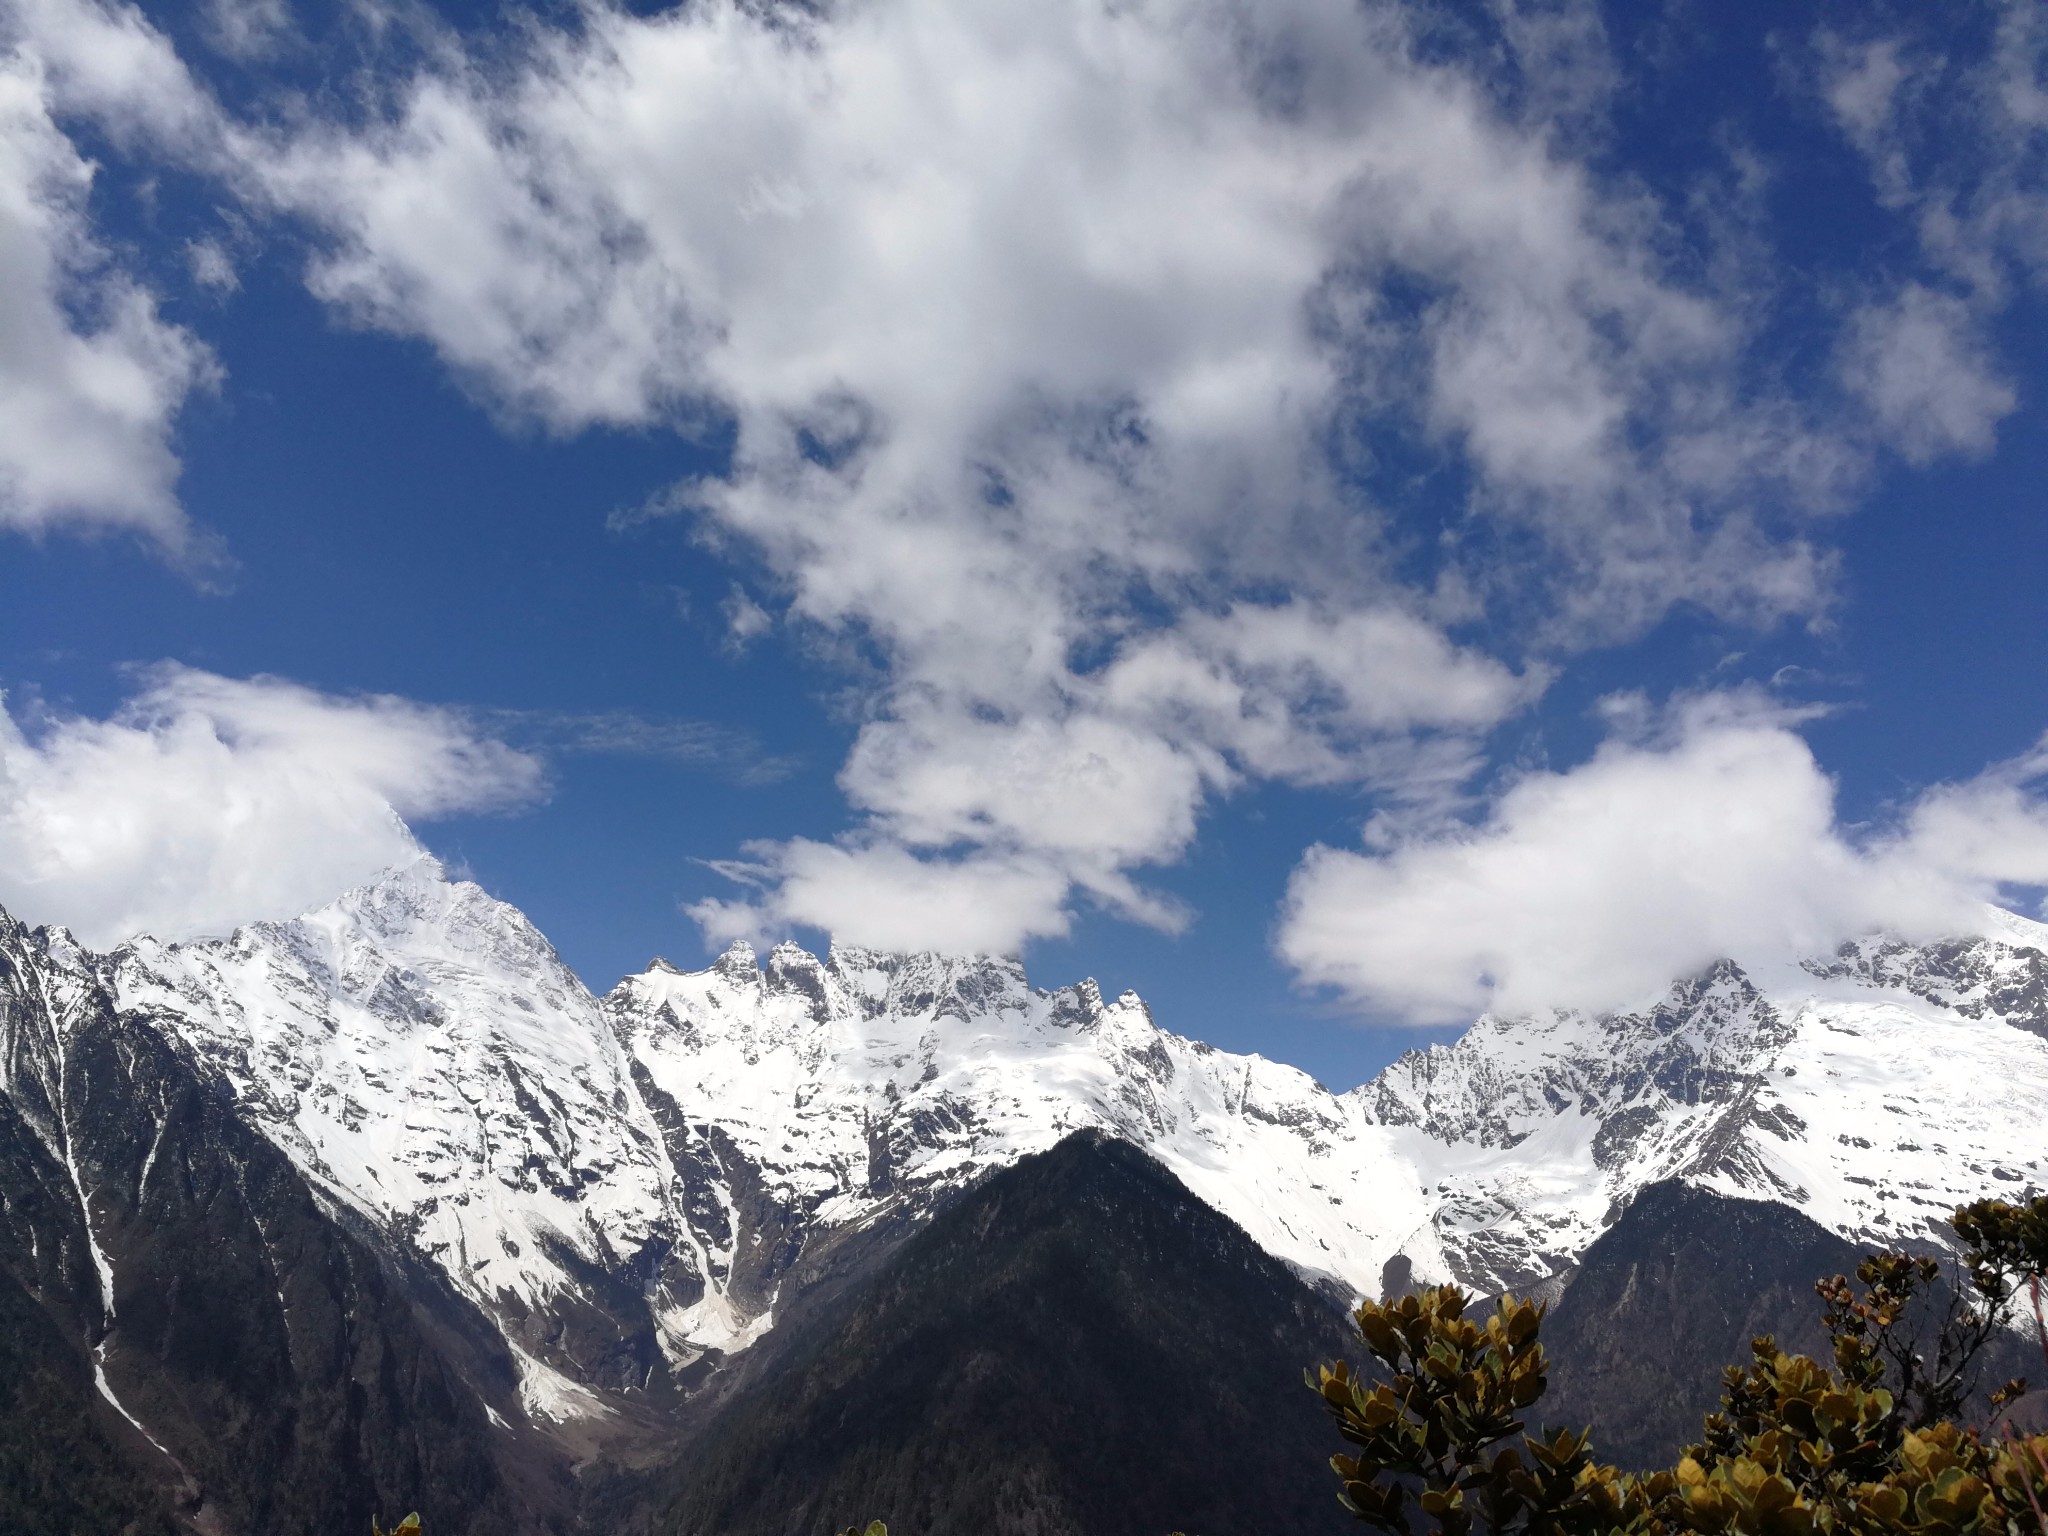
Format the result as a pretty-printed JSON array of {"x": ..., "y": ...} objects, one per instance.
[
  {"x": 414, "y": 910},
  {"x": 922, "y": 983},
  {"x": 796, "y": 994},
  {"x": 2002, "y": 975},
  {"x": 1875, "y": 1091},
  {"x": 865, "y": 1081},
  {"x": 422, "y": 1053}
]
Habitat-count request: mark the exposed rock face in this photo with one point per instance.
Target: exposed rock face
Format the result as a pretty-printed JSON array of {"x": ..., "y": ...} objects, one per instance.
[{"x": 264, "y": 1367}]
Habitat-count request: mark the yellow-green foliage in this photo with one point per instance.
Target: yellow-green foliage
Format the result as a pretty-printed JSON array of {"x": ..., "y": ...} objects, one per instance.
[
  {"x": 1869, "y": 1447},
  {"x": 409, "y": 1526},
  {"x": 1441, "y": 1432}
]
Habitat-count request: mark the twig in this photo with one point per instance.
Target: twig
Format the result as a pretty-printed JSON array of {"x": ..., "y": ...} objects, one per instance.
[
  {"x": 2040, "y": 1328},
  {"x": 2024, "y": 1453}
]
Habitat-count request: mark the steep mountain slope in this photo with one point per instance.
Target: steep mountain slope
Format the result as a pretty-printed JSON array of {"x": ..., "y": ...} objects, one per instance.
[
  {"x": 1666, "y": 1298},
  {"x": 426, "y": 1060},
  {"x": 1674, "y": 1292},
  {"x": 1076, "y": 1345},
  {"x": 247, "y": 1355},
  {"x": 1865, "y": 1096},
  {"x": 60, "y": 1468}
]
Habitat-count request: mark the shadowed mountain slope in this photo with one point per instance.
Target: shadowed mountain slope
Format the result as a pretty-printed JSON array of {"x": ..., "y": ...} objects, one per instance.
[
  {"x": 260, "y": 1364},
  {"x": 1667, "y": 1297},
  {"x": 60, "y": 1468},
  {"x": 1077, "y": 1345},
  {"x": 1675, "y": 1290}
]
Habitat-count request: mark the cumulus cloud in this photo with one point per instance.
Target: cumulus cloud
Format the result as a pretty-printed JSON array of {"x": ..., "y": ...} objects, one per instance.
[
  {"x": 1113, "y": 778},
  {"x": 1102, "y": 276},
  {"x": 108, "y": 63},
  {"x": 208, "y": 801},
  {"x": 91, "y": 376},
  {"x": 884, "y": 896},
  {"x": 1051, "y": 338},
  {"x": 1715, "y": 836},
  {"x": 1035, "y": 324}
]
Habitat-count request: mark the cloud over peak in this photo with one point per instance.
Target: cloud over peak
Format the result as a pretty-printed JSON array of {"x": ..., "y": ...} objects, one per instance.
[
  {"x": 1713, "y": 835},
  {"x": 206, "y": 801}
]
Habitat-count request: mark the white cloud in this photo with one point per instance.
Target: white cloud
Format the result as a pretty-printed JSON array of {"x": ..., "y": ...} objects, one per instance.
[
  {"x": 1034, "y": 321},
  {"x": 883, "y": 896},
  {"x": 247, "y": 29},
  {"x": 1041, "y": 328},
  {"x": 91, "y": 377},
  {"x": 211, "y": 266},
  {"x": 942, "y": 266},
  {"x": 1921, "y": 364},
  {"x": 1953, "y": 141},
  {"x": 745, "y": 620},
  {"x": 1861, "y": 83},
  {"x": 206, "y": 801},
  {"x": 1595, "y": 887},
  {"x": 106, "y": 62}
]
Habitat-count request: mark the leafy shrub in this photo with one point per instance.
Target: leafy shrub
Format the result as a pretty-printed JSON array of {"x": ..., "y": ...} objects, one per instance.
[{"x": 1871, "y": 1446}]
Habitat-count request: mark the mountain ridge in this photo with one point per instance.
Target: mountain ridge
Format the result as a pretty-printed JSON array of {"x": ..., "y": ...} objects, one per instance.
[{"x": 631, "y": 1189}]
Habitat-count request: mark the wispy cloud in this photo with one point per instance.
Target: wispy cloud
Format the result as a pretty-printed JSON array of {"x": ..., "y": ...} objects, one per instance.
[{"x": 694, "y": 744}]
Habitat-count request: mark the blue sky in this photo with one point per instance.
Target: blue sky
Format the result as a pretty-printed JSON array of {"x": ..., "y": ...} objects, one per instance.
[{"x": 1335, "y": 516}]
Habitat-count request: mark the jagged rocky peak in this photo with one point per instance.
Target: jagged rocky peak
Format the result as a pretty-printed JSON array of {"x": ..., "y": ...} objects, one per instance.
[
  {"x": 961, "y": 987},
  {"x": 737, "y": 962},
  {"x": 422, "y": 1054},
  {"x": 2000, "y": 973},
  {"x": 418, "y": 910},
  {"x": 1856, "y": 1090},
  {"x": 410, "y": 920},
  {"x": 850, "y": 984},
  {"x": 1509, "y": 1074}
]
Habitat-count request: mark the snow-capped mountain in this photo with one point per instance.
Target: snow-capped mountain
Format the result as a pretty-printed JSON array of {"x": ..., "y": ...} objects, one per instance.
[
  {"x": 1873, "y": 1091},
  {"x": 623, "y": 1186},
  {"x": 662, "y": 1159},
  {"x": 427, "y": 1061},
  {"x": 843, "y": 1087}
]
